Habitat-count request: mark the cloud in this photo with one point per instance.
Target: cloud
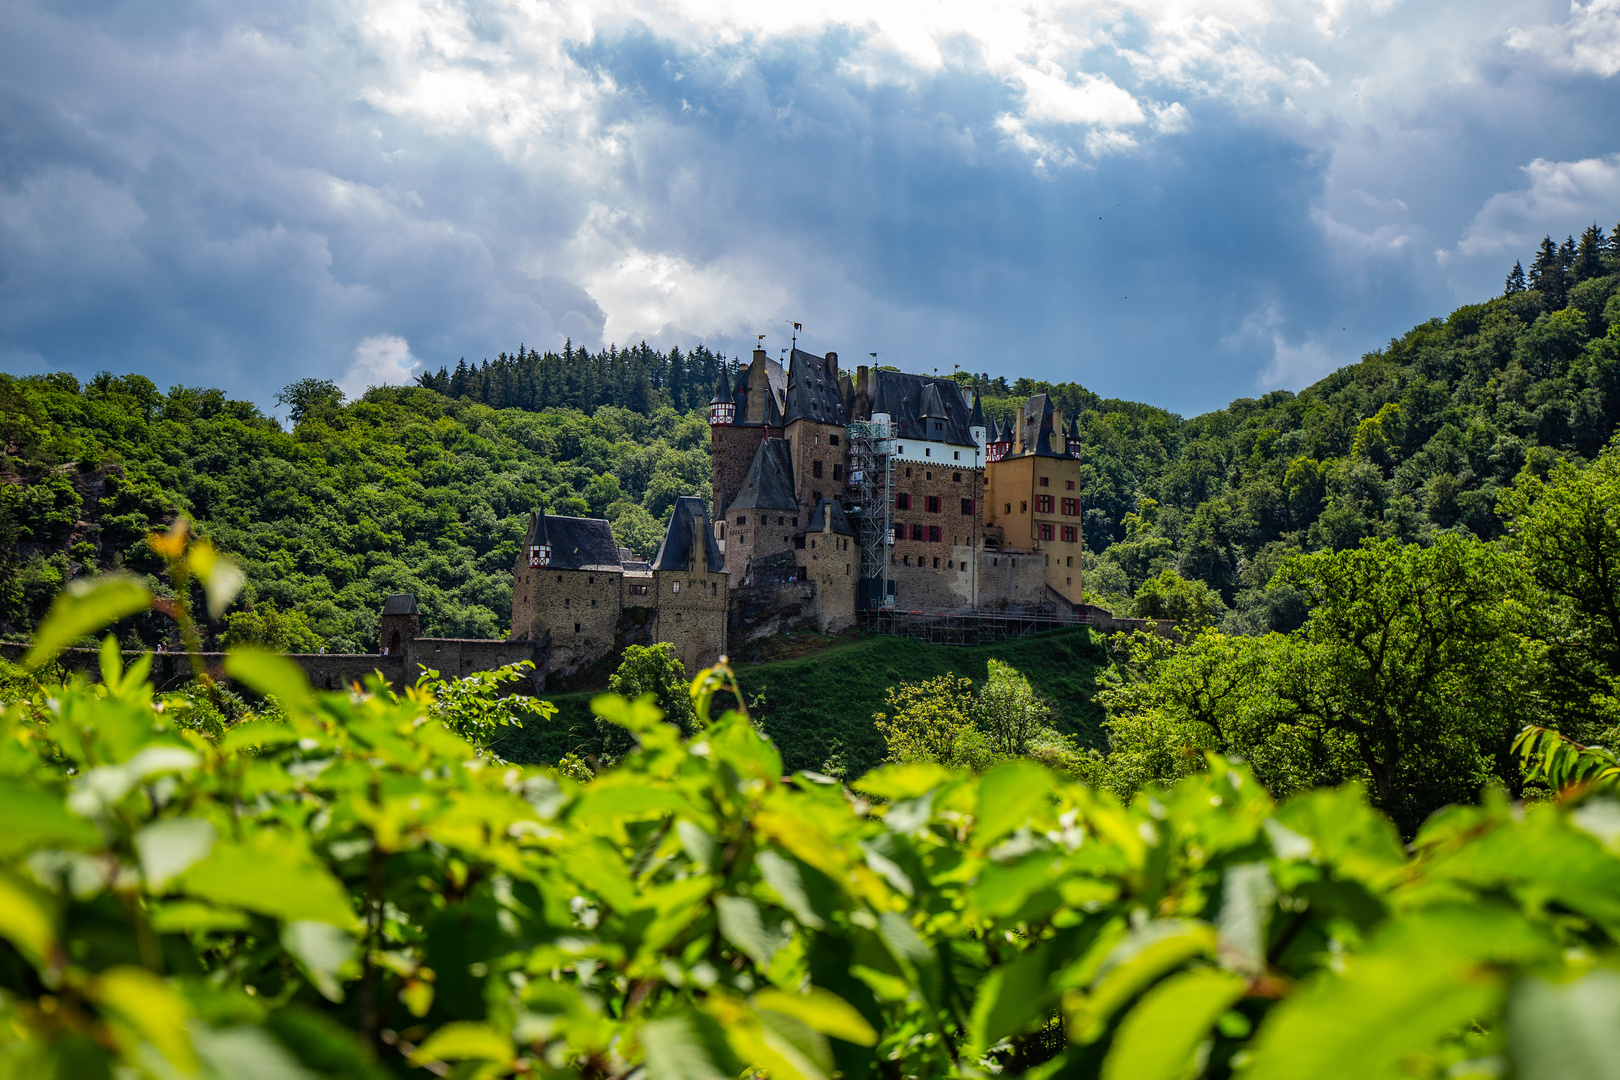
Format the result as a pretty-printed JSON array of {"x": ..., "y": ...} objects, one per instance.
[
  {"x": 1096, "y": 190},
  {"x": 1560, "y": 197},
  {"x": 1589, "y": 42},
  {"x": 380, "y": 360}
]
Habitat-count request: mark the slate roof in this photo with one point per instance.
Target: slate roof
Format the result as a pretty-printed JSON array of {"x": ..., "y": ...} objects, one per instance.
[
  {"x": 902, "y": 396},
  {"x": 818, "y": 520},
  {"x": 576, "y": 543},
  {"x": 769, "y": 483},
  {"x": 401, "y": 604},
  {"x": 688, "y": 521},
  {"x": 1039, "y": 435},
  {"x": 775, "y": 378},
  {"x": 812, "y": 390},
  {"x": 722, "y": 388},
  {"x": 976, "y": 417}
]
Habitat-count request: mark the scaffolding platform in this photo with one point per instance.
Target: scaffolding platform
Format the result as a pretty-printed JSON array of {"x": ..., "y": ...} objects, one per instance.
[{"x": 967, "y": 626}]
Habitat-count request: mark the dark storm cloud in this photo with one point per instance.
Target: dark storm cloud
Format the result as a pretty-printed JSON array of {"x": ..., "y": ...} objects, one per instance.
[{"x": 240, "y": 195}]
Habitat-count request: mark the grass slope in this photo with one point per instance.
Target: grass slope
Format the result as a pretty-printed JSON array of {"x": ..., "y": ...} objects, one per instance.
[{"x": 817, "y": 705}]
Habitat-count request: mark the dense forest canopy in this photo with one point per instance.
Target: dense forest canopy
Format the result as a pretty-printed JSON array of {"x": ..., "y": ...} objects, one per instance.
[
  {"x": 425, "y": 488},
  {"x": 402, "y": 490}
]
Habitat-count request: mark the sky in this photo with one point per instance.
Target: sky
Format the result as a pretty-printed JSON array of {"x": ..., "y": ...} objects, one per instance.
[{"x": 1173, "y": 202}]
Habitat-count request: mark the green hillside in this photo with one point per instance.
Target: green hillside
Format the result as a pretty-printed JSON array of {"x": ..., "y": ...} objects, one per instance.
[{"x": 815, "y": 705}]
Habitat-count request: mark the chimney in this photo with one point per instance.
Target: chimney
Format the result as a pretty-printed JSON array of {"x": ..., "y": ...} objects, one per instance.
[
  {"x": 832, "y": 363},
  {"x": 1018, "y": 436},
  {"x": 860, "y": 379},
  {"x": 760, "y": 354},
  {"x": 700, "y": 552}
]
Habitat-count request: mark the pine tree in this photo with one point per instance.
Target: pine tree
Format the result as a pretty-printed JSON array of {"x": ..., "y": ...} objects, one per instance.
[
  {"x": 1588, "y": 262},
  {"x": 1515, "y": 279},
  {"x": 1547, "y": 274}
]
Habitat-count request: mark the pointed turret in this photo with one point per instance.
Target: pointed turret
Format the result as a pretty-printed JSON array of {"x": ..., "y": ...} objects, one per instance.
[
  {"x": 976, "y": 429},
  {"x": 537, "y": 543},
  {"x": 722, "y": 406},
  {"x": 1071, "y": 435}
]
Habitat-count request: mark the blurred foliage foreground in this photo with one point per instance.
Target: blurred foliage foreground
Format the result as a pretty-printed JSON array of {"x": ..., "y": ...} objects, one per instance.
[{"x": 344, "y": 886}]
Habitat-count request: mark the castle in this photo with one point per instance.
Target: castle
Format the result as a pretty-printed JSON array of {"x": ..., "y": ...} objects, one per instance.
[{"x": 832, "y": 496}]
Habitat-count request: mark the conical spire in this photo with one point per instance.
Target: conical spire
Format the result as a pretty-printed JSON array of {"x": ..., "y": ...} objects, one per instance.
[
  {"x": 722, "y": 389},
  {"x": 976, "y": 417}
]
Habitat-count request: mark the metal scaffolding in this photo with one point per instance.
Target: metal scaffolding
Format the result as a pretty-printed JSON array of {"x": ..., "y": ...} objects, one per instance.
[
  {"x": 966, "y": 626},
  {"x": 870, "y": 472}
]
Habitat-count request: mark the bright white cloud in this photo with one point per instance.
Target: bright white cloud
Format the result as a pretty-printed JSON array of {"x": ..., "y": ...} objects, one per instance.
[
  {"x": 380, "y": 360},
  {"x": 1559, "y": 196},
  {"x": 1589, "y": 42}
]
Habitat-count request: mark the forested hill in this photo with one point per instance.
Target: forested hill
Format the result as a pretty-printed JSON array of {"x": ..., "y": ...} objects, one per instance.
[
  {"x": 427, "y": 488},
  {"x": 404, "y": 490},
  {"x": 1415, "y": 439}
]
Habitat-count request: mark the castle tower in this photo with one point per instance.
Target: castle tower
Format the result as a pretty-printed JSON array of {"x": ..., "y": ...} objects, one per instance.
[
  {"x": 400, "y": 623},
  {"x": 690, "y": 584},
  {"x": 722, "y": 408},
  {"x": 1032, "y": 494}
]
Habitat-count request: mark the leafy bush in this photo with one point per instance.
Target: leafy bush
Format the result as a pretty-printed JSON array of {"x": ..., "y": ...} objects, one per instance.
[{"x": 352, "y": 890}]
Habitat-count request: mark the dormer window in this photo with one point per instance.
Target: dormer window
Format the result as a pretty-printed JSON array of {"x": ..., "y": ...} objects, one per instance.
[
  {"x": 722, "y": 413},
  {"x": 539, "y": 555}
]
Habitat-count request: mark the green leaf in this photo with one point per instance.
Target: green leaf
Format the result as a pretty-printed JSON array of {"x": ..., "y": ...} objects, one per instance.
[
  {"x": 1247, "y": 894},
  {"x": 610, "y": 799},
  {"x": 246, "y": 1053},
  {"x": 170, "y": 847},
  {"x": 1568, "y": 1031},
  {"x": 743, "y": 926},
  {"x": 271, "y": 877},
  {"x": 822, "y": 1010},
  {"x": 1144, "y": 955},
  {"x": 784, "y": 876},
  {"x": 463, "y": 1040},
  {"x": 222, "y": 579},
  {"x": 151, "y": 1012},
  {"x": 27, "y": 919},
  {"x": 687, "y": 1046},
  {"x": 85, "y": 606},
  {"x": 903, "y": 781},
  {"x": 34, "y": 819},
  {"x": 1423, "y": 978},
  {"x": 1008, "y": 795},
  {"x": 324, "y": 952},
  {"x": 1156, "y": 1039},
  {"x": 270, "y": 675}
]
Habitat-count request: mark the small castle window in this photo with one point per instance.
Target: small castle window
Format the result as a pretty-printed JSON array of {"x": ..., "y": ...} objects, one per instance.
[
  {"x": 936, "y": 562},
  {"x": 576, "y": 628},
  {"x": 933, "y": 504},
  {"x": 815, "y": 469},
  {"x": 590, "y": 581},
  {"x": 1046, "y": 531},
  {"x": 1046, "y": 481},
  {"x": 714, "y": 588},
  {"x": 1009, "y": 508},
  {"x": 908, "y": 472},
  {"x": 995, "y": 562},
  {"x": 1069, "y": 484},
  {"x": 1068, "y": 581},
  {"x": 833, "y": 439},
  {"x": 928, "y": 451},
  {"x": 949, "y": 565},
  {"x": 838, "y": 471},
  {"x": 902, "y": 500},
  {"x": 567, "y": 602},
  {"x": 559, "y": 579},
  {"x": 781, "y": 521},
  {"x": 1023, "y": 507},
  {"x": 675, "y": 588},
  {"x": 743, "y": 520},
  {"x": 956, "y": 455},
  {"x": 967, "y": 507},
  {"x": 956, "y": 478},
  {"x": 593, "y": 603}
]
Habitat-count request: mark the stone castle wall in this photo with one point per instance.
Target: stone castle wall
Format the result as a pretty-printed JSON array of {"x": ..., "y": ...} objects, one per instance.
[
  {"x": 573, "y": 615},
  {"x": 691, "y": 615}
]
